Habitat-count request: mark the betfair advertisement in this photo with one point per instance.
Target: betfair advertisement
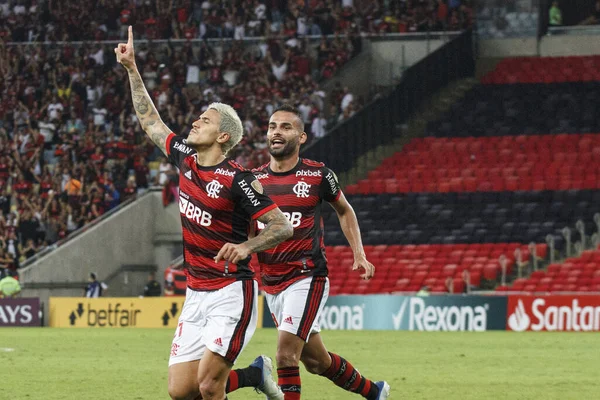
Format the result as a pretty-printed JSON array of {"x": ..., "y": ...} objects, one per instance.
[{"x": 119, "y": 312}]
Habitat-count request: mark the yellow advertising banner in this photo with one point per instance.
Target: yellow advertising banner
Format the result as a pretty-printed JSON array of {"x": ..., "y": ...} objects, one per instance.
[{"x": 120, "y": 312}]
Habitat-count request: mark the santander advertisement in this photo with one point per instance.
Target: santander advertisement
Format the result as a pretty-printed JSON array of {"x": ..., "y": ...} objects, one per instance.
[{"x": 553, "y": 313}]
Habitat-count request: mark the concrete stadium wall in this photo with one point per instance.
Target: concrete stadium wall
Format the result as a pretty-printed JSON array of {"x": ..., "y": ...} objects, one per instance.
[
  {"x": 126, "y": 238},
  {"x": 168, "y": 242},
  {"x": 388, "y": 64},
  {"x": 570, "y": 45},
  {"x": 507, "y": 47},
  {"x": 381, "y": 63},
  {"x": 562, "y": 45},
  {"x": 360, "y": 66}
]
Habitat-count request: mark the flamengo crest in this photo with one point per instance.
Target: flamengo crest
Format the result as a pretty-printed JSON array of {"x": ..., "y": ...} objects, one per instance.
[
  {"x": 213, "y": 189},
  {"x": 301, "y": 189}
]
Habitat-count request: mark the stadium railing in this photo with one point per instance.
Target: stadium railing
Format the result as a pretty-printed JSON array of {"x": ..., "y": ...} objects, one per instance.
[{"x": 253, "y": 39}]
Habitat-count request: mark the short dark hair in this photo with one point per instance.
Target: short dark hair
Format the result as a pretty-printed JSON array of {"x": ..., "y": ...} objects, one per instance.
[{"x": 291, "y": 109}]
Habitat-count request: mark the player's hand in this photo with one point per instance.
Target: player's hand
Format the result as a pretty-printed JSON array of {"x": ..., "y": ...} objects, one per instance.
[
  {"x": 125, "y": 53},
  {"x": 233, "y": 253},
  {"x": 362, "y": 263}
]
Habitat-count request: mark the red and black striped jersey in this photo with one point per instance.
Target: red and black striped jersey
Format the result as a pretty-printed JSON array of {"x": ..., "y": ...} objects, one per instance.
[
  {"x": 217, "y": 205},
  {"x": 299, "y": 193}
]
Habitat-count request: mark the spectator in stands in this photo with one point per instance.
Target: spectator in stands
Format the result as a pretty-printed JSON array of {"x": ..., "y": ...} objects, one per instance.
[
  {"x": 165, "y": 171},
  {"x": 94, "y": 288},
  {"x": 423, "y": 292},
  {"x": 152, "y": 288},
  {"x": 130, "y": 190},
  {"x": 593, "y": 19},
  {"x": 334, "y": 116},
  {"x": 63, "y": 122},
  {"x": 346, "y": 99},
  {"x": 9, "y": 287},
  {"x": 555, "y": 15},
  {"x": 318, "y": 126},
  {"x": 466, "y": 277},
  {"x": 347, "y": 112},
  {"x": 449, "y": 285}
]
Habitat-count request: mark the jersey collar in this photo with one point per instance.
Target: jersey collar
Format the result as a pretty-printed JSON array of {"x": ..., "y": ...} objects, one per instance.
[{"x": 291, "y": 171}]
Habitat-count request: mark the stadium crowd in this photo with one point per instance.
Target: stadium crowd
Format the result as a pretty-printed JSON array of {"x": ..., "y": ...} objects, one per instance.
[
  {"x": 73, "y": 20},
  {"x": 70, "y": 145}
]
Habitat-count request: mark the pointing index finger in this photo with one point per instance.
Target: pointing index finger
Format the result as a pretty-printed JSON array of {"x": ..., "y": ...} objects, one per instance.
[{"x": 130, "y": 39}]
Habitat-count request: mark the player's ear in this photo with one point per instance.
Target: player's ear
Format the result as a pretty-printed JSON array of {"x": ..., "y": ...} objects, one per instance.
[
  {"x": 303, "y": 137},
  {"x": 223, "y": 137}
]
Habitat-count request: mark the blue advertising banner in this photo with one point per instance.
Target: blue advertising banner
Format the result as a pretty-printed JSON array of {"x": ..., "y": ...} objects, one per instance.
[{"x": 412, "y": 313}]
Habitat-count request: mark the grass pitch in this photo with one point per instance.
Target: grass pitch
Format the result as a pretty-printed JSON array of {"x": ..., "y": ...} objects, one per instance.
[{"x": 45, "y": 363}]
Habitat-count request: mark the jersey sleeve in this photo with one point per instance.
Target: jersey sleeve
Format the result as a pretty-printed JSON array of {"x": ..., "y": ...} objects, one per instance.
[
  {"x": 250, "y": 193},
  {"x": 177, "y": 149},
  {"x": 330, "y": 189}
]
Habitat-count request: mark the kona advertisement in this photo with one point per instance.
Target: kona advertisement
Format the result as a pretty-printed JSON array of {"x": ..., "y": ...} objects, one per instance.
[{"x": 413, "y": 313}]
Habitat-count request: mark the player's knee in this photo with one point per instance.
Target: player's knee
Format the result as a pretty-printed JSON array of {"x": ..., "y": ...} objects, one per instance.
[
  {"x": 316, "y": 363},
  {"x": 313, "y": 365},
  {"x": 210, "y": 389},
  {"x": 178, "y": 393},
  {"x": 287, "y": 358}
]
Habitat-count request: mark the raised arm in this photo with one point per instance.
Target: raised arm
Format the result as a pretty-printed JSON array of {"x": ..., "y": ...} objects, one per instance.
[{"x": 142, "y": 103}]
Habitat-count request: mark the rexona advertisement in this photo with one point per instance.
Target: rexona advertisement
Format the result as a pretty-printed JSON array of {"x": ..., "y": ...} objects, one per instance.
[
  {"x": 435, "y": 313},
  {"x": 115, "y": 312},
  {"x": 20, "y": 312},
  {"x": 554, "y": 313}
]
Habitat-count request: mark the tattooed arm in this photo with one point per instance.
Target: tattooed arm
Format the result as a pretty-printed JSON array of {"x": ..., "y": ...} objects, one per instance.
[
  {"x": 144, "y": 108},
  {"x": 146, "y": 111},
  {"x": 277, "y": 229}
]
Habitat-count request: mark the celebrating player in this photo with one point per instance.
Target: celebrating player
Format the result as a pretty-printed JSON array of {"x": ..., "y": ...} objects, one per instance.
[
  {"x": 294, "y": 274},
  {"x": 218, "y": 200}
]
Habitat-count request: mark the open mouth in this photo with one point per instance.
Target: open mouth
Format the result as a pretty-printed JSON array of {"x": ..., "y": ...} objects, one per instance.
[{"x": 277, "y": 143}]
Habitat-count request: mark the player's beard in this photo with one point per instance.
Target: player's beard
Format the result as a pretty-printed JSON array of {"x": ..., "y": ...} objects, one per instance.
[{"x": 288, "y": 149}]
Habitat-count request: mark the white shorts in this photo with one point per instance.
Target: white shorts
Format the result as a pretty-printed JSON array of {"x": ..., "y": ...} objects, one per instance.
[
  {"x": 222, "y": 321},
  {"x": 298, "y": 308}
]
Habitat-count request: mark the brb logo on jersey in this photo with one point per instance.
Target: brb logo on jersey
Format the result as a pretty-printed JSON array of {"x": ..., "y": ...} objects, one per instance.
[
  {"x": 192, "y": 212},
  {"x": 295, "y": 219},
  {"x": 213, "y": 189},
  {"x": 301, "y": 189}
]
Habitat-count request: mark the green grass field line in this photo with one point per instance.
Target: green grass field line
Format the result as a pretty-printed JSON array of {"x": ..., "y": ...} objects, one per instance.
[{"x": 132, "y": 364}]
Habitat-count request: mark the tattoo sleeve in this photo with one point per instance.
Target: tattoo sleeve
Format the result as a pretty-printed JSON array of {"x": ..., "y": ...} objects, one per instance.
[
  {"x": 146, "y": 112},
  {"x": 277, "y": 229}
]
